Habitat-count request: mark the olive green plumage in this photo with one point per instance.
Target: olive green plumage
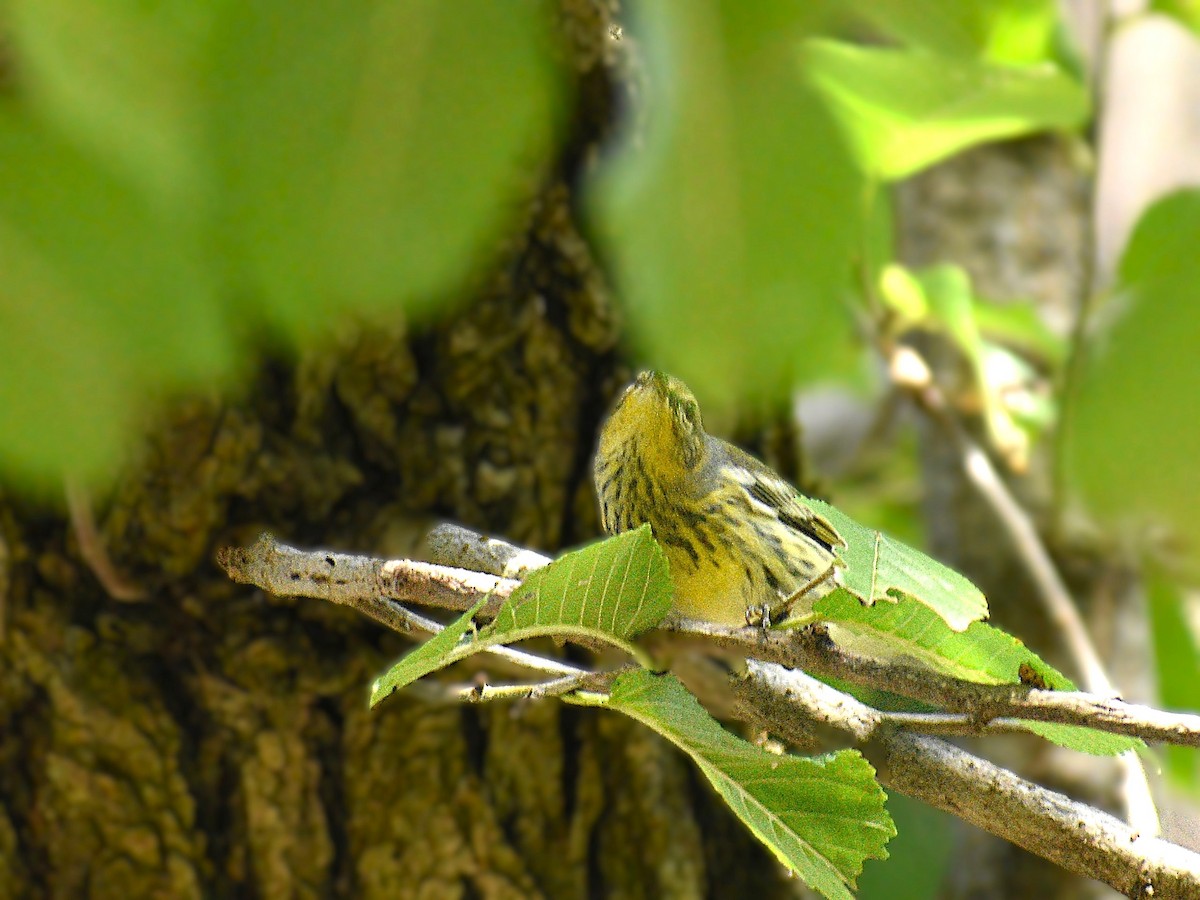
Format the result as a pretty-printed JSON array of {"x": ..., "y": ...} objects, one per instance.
[{"x": 739, "y": 539}]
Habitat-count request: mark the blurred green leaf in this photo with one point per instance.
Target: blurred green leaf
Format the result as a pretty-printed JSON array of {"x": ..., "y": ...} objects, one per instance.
[
  {"x": 1021, "y": 325},
  {"x": 1185, "y": 11},
  {"x": 902, "y": 293},
  {"x": 881, "y": 568},
  {"x": 1176, "y": 638},
  {"x": 1015, "y": 398},
  {"x": 918, "y": 856},
  {"x": 120, "y": 78},
  {"x": 822, "y": 816},
  {"x": 904, "y": 110},
  {"x": 732, "y": 221},
  {"x": 1133, "y": 437},
  {"x": 310, "y": 160},
  {"x": 370, "y": 151},
  {"x": 105, "y": 303},
  {"x": 1010, "y": 31},
  {"x": 608, "y": 591},
  {"x": 981, "y": 653}
]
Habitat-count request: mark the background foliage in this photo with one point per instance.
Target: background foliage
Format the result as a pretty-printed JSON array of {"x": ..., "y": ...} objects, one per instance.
[{"x": 178, "y": 181}]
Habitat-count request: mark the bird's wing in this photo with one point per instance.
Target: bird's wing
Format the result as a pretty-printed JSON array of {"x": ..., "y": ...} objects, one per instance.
[{"x": 768, "y": 489}]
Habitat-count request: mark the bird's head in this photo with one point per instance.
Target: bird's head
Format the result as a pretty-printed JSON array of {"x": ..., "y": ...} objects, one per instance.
[{"x": 657, "y": 417}]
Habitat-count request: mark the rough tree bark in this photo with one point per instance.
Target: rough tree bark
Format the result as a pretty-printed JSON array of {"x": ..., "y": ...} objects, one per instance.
[{"x": 202, "y": 740}]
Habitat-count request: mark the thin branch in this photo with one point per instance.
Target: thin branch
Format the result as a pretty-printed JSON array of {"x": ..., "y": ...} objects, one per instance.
[
  {"x": 787, "y": 702},
  {"x": 814, "y": 651},
  {"x": 356, "y": 581},
  {"x": 453, "y": 545},
  {"x": 372, "y": 586},
  {"x": 523, "y": 659},
  {"x": 1052, "y": 590},
  {"x": 1073, "y": 835},
  {"x": 350, "y": 580}
]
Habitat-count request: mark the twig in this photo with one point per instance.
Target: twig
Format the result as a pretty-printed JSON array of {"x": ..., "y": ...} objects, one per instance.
[
  {"x": 453, "y": 545},
  {"x": 356, "y": 580},
  {"x": 814, "y": 651},
  {"x": 93, "y": 549},
  {"x": 1073, "y": 835},
  {"x": 349, "y": 580},
  {"x": 1056, "y": 597},
  {"x": 372, "y": 586},
  {"x": 1052, "y": 590},
  {"x": 585, "y": 681}
]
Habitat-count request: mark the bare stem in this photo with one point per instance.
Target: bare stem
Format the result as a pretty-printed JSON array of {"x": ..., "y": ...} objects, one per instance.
[
  {"x": 788, "y": 702},
  {"x": 1073, "y": 835}
]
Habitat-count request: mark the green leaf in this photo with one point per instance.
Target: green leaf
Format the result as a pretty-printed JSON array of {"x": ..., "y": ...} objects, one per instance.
[
  {"x": 1084, "y": 740},
  {"x": 982, "y": 654},
  {"x": 447, "y": 646},
  {"x": 108, "y": 306},
  {"x": 120, "y": 78},
  {"x": 608, "y": 591},
  {"x": 1011, "y": 31},
  {"x": 881, "y": 568},
  {"x": 1133, "y": 426},
  {"x": 903, "y": 294},
  {"x": 1184, "y": 11},
  {"x": 370, "y": 152},
  {"x": 310, "y": 160},
  {"x": 821, "y": 816},
  {"x": 733, "y": 219},
  {"x": 1021, "y": 325},
  {"x": 953, "y": 307},
  {"x": 905, "y": 110},
  {"x": 905, "y": 627},
  {"x": 1175, "y": 629},
  {"x": 616, "y": 588}
]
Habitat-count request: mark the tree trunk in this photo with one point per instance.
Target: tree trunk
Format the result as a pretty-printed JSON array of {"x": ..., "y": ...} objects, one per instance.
[{"x": 197, "y": 739}]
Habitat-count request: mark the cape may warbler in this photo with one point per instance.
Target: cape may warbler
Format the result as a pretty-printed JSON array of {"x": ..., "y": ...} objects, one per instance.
[{"x": 741, "y": 542}]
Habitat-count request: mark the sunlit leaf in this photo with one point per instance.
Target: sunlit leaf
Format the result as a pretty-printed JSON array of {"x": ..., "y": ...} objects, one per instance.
[
  {"x": 1185, "y": 11},
  {"x": 822, "y": 816},
  {"x": 1011, "y": 31},
  {"x": 608, "y": 591},
  {"x": 878, "y": 567},
  {"x": 981, "y": 653},
  {"x": 904, "y": 110}
]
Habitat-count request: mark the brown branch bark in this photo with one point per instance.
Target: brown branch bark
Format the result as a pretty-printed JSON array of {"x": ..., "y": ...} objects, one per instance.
[
  {"x": 790, "y": 703},
  {"x": 1073, "y": 835}
]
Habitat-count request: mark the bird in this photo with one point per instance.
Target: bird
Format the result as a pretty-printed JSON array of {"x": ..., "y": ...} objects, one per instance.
[{"x": 743, "y": 545}]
